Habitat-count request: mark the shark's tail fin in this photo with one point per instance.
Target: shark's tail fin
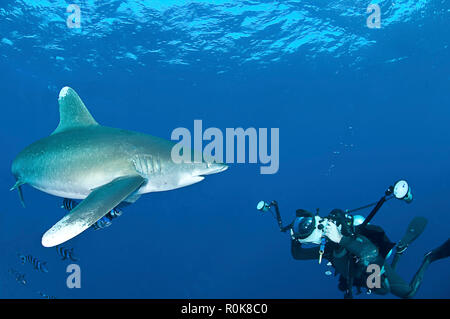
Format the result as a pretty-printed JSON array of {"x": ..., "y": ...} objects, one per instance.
[{"x": 17, "y": 186}]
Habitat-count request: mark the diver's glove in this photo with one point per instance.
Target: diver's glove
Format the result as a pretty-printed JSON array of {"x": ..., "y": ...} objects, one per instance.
[{"x": 332, "y": 232}]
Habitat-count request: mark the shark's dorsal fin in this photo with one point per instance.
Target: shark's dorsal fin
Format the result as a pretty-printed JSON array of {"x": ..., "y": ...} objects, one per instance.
[{"x": 72, "y": 111}]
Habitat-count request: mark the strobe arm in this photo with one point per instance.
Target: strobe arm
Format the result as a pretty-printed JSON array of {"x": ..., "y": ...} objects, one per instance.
[
  {"x": 278, "y": 217},
  {"x": 387, "y": 196},
  {"x": 373, "y": 212}
]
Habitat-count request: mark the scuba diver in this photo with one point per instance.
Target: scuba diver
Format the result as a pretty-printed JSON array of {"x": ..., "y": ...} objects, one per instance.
[{"x": 356, "y": 248}]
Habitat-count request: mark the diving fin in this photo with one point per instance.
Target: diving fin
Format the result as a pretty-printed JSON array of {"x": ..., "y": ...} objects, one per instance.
[
  {"x": 99, "y": 202},
  {"x": 441, "y": 252},
  {"x": 415, "y": 228}
]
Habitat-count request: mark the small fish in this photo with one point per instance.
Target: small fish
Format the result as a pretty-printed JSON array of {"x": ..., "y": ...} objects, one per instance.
[
  {"x": 114, "y": 213},
  {"x": 20, "y": 278},
  {"x": 328, "y": 273},
  {"x": 105, "y": 221},
  {"x": 69, "y": 204},
  {"x": 45, "y": 296},
  {"x": 66, "y": 253},
  {"x": 37, "y": 264}
]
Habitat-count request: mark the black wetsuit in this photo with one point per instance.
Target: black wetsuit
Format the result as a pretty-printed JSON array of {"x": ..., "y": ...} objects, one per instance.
[{"x": 353, "y": 255}]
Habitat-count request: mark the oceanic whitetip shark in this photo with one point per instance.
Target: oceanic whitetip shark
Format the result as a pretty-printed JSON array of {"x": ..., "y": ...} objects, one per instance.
[{"x": 103, "y": 166}]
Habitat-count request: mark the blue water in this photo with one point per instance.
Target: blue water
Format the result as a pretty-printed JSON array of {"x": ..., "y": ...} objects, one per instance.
[{"x": 357, "y": 109}]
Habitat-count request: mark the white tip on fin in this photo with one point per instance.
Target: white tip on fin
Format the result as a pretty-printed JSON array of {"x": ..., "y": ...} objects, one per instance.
[
  {"x": 55, "y": 236},
  {"x": 63, "y": 92}
]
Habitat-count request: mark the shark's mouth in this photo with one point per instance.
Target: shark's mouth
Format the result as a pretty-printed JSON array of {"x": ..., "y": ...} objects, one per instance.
[
  {"x": 223, "y": 168},
  {"x": 215, "y": 170},
  {"x": 189, "y": 180}
]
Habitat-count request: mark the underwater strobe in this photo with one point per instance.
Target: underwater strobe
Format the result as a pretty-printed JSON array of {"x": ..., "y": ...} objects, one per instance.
[
  {"x": 401, "y": 190},
  {"x": 263, "y": 206}
]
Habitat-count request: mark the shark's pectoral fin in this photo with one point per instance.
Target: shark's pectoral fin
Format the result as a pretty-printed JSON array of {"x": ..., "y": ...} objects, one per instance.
[
  {"x": 17, "y": 186},
  {"x": 89, "y": 211}
]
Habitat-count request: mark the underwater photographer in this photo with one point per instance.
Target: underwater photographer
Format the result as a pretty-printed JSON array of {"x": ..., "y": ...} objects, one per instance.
[{"x": 354, "y": 247}]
